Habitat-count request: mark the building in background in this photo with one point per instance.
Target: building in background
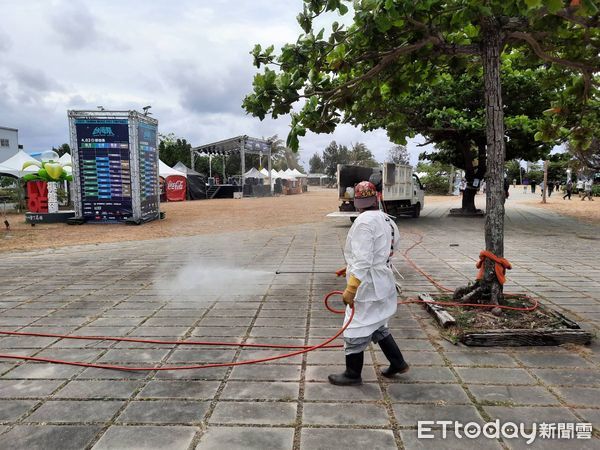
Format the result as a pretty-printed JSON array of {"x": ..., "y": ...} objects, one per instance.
[{"x": 9, "y": 142}]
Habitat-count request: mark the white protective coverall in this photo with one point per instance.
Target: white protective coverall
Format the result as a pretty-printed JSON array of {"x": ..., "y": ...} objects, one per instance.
[{"x": 368, "y": 253}]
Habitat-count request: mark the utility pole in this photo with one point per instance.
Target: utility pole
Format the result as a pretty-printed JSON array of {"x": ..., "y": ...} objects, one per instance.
[{"x": 545, "y": 181}]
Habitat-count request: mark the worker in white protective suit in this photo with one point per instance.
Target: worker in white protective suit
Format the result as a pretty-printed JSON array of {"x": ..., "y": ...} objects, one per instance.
[{"x": 370, "y": 288}]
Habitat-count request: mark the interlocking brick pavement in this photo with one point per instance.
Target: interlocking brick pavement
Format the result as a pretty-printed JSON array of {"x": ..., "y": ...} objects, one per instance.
[{"x": 223, "y": 287}]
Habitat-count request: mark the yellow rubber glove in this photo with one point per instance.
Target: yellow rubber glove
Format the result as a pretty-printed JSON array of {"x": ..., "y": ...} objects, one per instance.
[{"x": 350, "y": 291}]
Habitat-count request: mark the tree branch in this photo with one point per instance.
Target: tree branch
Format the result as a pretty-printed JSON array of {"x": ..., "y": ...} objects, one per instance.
[
  {"x": 417, "y": 24},
  {"x": 453, "y": 49},
  {"x": 426, "y": 143},
  {"x": 569, "y": 15},
  {"x": 388, "y": 59},
  {"x": 537, "y": 49}
]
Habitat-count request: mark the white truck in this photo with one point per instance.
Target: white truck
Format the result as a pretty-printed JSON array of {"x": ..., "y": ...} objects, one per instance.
[{"x": 401, "y": 189}]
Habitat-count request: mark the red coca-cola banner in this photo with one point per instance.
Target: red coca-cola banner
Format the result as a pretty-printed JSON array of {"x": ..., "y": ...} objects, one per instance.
[
  {"x": 176, "y": 187},
  {"x": 37, "y": 196}
]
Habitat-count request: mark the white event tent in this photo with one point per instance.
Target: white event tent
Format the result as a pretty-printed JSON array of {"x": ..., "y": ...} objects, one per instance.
[
  {"x": 164, "y": 171},
  {"x": 253, "y": 173},
  {"x": 14, "y": 165},
  {"x": 66, "y": 159},
  {"x": 298, "y": 174}
]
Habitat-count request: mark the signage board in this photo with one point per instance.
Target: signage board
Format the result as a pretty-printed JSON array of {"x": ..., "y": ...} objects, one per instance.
[
  {"x": 115, "y": 166},
  {"x": 104, "y": 169},
  {"x": 148, "y": 160}
]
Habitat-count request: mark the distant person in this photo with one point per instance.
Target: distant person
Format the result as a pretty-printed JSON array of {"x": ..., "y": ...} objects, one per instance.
[
  {"x": 525, "y": 184},
  {"x": 550, "y": 187},
  {"x": 506, "y": 187},
  {"x": 462, "y": 186},
  {"x": 569, "y": 188},
  {"x": 587, "y": 188},
  {"x": 579, "y": 186},
  {"x": 533, "y": 184},
  {"x": 542, "y": 188},
  {"x": 514, "y": 182}
]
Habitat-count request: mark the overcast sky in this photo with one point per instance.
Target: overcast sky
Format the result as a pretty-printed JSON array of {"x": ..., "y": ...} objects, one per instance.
[{"x": 188, "y": 59}]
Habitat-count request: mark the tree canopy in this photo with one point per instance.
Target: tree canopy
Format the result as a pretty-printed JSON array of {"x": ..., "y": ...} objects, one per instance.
[
  {"x": 398, "y": 154},
  {"x": 395, "y": 47},
  {"x": 282, "y": 156},
  {"x": 588, "y": 156},
  {"x": 333, "y": 155},
  {"x": 316, "y": 164},
  {"x": 360, "y": 155},
  {"x": 173, "y": 149}
]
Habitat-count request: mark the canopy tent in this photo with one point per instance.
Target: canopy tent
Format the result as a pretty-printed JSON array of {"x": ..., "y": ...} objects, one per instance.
[
  {"x": 253, "y": 173},
  {"x": 66, "y": 159},
  {"x": 196, "y": 182},
  {"x": 288, "y": 174},
  {"x": 165, "y": 171},
  {"x": 13, "y": 166},
  {"x": 265, "y": 172},
  {"x": 185, "y": 169},
  {"x": 298, "y": 174},
  {"x": 316, "y": 179}
]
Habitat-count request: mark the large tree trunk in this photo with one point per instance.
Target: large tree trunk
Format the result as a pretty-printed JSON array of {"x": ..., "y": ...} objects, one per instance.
[
  {"x": 468, "y": 198},
  {"x": 471, "y": 174},
  {"x": 494, "y": 221}
]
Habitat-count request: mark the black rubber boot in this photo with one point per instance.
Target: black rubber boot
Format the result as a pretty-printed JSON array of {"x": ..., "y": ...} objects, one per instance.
[
  {"x": 394, "y": 355},
  {"x": 351, "y": 376}
]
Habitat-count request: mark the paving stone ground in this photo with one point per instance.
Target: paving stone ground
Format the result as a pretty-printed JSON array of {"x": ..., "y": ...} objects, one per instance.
[{"x": 223, "y": 287}]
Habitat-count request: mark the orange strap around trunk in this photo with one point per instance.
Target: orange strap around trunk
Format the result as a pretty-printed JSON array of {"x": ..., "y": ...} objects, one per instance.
[{"x": 501, "y": 266}]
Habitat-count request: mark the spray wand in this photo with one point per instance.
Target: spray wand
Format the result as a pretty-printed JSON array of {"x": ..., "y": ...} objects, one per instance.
[{"x": 277, "y": 272}]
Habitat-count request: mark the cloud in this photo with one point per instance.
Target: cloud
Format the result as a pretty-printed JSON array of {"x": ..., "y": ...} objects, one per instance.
[
  {"x": 215, "y": 90},
  {"x": 35, "y": 80},
  {"x": 190, "y": 62},
  {"x": 40, "y": 126},
  {"x": 76, "y": 29},
  {"x": 5, "y": 42}
]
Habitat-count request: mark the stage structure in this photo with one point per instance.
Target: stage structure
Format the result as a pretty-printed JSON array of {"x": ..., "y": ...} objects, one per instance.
[
  {"x": 115, "y": 166},
  {"x": 241, "y": 145}
]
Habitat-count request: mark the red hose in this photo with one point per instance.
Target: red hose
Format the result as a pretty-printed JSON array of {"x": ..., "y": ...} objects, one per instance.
[
  {"x": 157, "y": 341},
  {"x": 534, "y": 302},
  {"x": 305, "y": 349},
  {"x": 335, "y": 311}
]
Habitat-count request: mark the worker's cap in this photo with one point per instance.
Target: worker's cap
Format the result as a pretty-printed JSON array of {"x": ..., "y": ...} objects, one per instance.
[{"x": 365, "y": 195}]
